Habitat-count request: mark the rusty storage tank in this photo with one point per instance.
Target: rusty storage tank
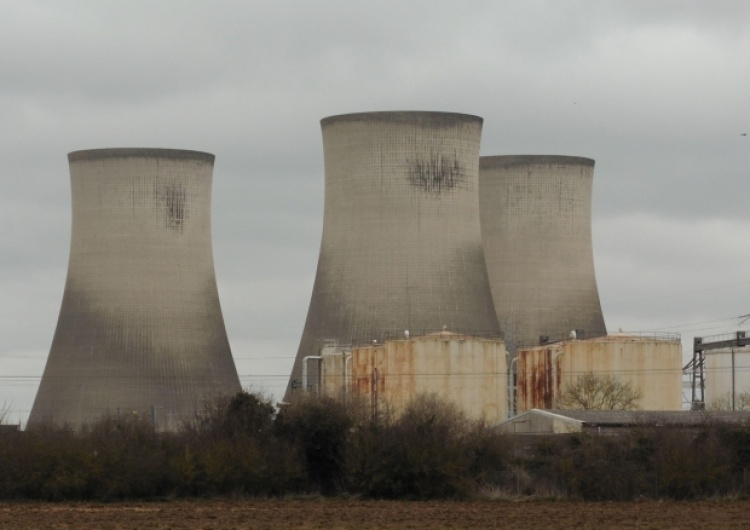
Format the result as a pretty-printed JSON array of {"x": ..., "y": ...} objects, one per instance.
[
  {"x": 536, "y": 230},
  {"x": 469, "y": 371},
  {"x": 401, "y": 246},
  {"x": 652, "y": 364},
  {"x": 140, "y": 329}
]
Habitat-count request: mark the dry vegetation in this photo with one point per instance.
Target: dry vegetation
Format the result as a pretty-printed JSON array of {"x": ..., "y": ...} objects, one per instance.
[
  {"x": 243, "y": 448},
  {"x": 600, "y": 392}
]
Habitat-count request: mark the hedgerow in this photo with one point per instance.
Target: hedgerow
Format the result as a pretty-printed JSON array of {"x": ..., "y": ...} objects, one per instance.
[{"x": 243, "y": 446}]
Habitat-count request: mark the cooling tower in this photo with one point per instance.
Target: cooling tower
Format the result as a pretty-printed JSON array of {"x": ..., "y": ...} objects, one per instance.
[
  {"x": 401, "y": 247},
  {"x": 140, "y": 330},
  {"x": 536, "y": 230}
]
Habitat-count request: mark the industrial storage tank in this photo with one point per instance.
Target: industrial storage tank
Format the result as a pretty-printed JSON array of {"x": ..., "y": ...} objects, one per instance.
[
  {"x": 536, "y": 230},
  {"x": 727, "y": 378},
  {"x": 470, "y": 372},
  {"x": 140, "y": 329},
  {"x": 651, "y": 364},
  {"x": 401, "y": 246}
]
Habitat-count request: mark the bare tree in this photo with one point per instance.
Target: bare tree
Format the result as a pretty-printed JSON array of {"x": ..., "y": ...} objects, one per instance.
[
  {"x": 600, "y": 392},
  {"x": 741, "y": 401}
]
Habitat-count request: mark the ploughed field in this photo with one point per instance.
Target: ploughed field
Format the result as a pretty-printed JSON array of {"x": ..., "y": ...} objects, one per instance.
[{"x": 329, "y": 514}]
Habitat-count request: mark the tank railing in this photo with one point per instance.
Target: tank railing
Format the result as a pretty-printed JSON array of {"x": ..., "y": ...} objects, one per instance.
[
  {"x": 410, "y": 333},
  {"x": 653, "y": 335},
  {"x": 581, "y": 335},
  {"x": 551, "y": 338},
  {"x": 723, "y": 337}
]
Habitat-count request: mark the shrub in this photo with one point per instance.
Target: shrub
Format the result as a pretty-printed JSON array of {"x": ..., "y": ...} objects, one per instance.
[
  {"x": 430, "y": 451},
  {"x": 318, "y": 428},
  {"x": 233, "y": 449},
  {"x": 244, "y": 413}
]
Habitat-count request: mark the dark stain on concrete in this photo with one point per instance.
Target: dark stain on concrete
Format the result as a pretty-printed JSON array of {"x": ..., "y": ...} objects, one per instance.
[
  {"x": 174, "y": 204},
  {"x": 437, "y": 175}
]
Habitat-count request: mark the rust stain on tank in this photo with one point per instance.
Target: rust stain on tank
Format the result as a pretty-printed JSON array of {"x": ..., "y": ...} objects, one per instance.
[
  {"x": 374, "y": 393},
  {"x": 361, "y": 371},
  {"x": 540, "y": 384},
  {"x": 539, "y": 378}
]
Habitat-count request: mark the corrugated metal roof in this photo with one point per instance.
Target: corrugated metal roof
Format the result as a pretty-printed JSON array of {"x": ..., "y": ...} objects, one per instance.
[
  {"x": 654, "y": 417},
  {"x": 548, "y": 414}
]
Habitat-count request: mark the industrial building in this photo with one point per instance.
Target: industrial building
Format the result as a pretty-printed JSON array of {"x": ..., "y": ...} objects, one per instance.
[
  {"x": 608, "y": 422},
  {"x": 536, "y": 232},
  {"x": 470, "y": 372},
  {"x": 140, "y": 330},
  {"x": 651, "y": 364},
  {"x": 720, "y": 372},
  {"x": 401, "y": 245}
]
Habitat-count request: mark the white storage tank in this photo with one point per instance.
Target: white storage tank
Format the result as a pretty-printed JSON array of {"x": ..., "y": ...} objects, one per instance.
[
  {"x": 651, "y": 364},
  {"x": 469, "y": 371},
  {"x": 727, "y": 375}
]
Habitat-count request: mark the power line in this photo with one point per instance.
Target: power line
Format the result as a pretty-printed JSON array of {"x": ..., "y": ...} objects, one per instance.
[
  {"x": 684, "y": 293},
  {"x": 424, "y": 375}
]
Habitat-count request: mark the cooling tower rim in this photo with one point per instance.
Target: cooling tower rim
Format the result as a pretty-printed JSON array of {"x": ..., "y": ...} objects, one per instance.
[
  {"x": 505, "y": 161},
  {"x": 418, "y": 117},
  {"x": 140, "y": 152}
]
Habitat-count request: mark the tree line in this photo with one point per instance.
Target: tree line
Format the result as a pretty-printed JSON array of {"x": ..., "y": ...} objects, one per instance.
[{"x": 244, "y": 447}]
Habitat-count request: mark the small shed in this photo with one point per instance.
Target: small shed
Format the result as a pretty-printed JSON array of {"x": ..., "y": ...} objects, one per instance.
[{"x": 538, "y": 422}]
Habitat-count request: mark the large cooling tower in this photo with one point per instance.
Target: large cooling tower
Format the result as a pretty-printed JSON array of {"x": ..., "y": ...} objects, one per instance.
[
  {"x": 401, "y": 247},
  {"x": 140, "y": 329},
  {"x": 536, "y": 230}
]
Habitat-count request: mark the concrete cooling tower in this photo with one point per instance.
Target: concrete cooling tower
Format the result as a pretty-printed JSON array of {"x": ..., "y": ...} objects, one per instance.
[
  {"x": 140, "y": 330},
  {"x": 536, "y": 230},
  {"x": 401, "y": 247}
]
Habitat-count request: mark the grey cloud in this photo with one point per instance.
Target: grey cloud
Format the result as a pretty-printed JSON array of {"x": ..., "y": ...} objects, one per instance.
[{"x": 655, "y": 92}]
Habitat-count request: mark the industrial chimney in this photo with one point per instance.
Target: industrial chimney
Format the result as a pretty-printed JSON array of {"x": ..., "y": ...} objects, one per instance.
[
  {"x": 536, "y": 230},
  {"x": 401, "y": 246},
  {"x": 140, "y": 330}
]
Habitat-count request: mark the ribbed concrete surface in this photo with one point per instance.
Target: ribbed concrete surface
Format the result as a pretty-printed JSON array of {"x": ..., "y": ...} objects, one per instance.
[
  {"x": 536, "y": 229},
  {"x": 140, "y": 328},
  {"x": 401, "y": 246}
]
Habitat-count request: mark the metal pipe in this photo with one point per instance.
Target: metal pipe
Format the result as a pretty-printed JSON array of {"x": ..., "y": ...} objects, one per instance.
[
  {"x": 733, "y": 381},
  {"x": 305, "y": 386},
  {"x": 511, "y": 393},
  {"x": 347, "y": 374},
  {"x": 554, "y": 376}
]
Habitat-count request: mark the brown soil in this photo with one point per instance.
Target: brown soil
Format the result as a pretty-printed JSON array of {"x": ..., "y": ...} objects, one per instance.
[{"x": 330, "y": 514}]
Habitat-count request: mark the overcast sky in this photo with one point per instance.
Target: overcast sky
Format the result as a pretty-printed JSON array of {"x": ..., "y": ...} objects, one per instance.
[{"x": 658, "y": 93}]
